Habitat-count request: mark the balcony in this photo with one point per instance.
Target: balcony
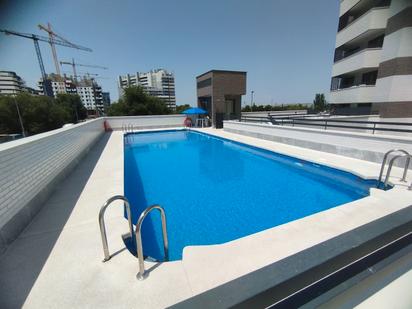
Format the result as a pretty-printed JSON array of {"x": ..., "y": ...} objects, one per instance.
[
  {"x": 355, "y": 94},
  {"x": 364, "y": 59},
  {"x": 346, "y": 5},
  {"x": 372, "y": 21}
]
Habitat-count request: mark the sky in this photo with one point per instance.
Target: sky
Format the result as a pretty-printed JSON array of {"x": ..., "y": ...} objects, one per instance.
[{"x": 286, "y": 46}]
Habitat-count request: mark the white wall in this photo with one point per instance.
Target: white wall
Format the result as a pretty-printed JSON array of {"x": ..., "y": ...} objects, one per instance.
[
  {"x": 146, "y": 122},
  {"x": 376, "y": 18},
  {"x": 367, "y": 58},
  {"x": 346, "y": 5},
  {"x": 29, "y": 168},
  {"x": 396, "y": 88},
  {"x": 356, "y": 94},
  {"x": 356, "y": 145},
  {"x": 397, "y": 44}
]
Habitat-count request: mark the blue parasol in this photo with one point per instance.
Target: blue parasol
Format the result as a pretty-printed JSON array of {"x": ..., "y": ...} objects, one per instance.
[{"x": 194, "y": 111}]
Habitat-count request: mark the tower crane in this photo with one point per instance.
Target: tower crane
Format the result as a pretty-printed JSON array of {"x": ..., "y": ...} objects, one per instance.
[
  {"x": 36, "y": 38},
  {"x": 74, "y": 64},
  {"x": 52, "y": 36}
]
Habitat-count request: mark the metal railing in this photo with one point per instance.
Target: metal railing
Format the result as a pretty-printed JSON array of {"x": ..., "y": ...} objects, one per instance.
[
  {"x": 331, "y": 123},
  {"x": 141, "y": 275},
  {"x": 128, "y": 128},
  {"x": 385, "y": 157},
  {"x": 103, "y": 226},
  {"x": 408, "y": 156}
]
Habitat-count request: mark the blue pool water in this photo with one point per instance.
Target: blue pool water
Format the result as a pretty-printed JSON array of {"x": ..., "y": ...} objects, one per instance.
[{"x": 214, "y": 190}]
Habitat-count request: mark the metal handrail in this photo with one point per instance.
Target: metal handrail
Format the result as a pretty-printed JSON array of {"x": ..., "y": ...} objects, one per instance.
[
  {"x": 141, "y": 275},
  {"x": 103, "y": 226},
  {"x": 385, "y": 157},
  {"x": 391, "y": 164},
  {"x": 328, "y": 123}
]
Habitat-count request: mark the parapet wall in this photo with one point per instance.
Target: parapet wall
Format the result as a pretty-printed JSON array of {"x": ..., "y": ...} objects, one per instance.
[
  {"x": 31, "y": 167},
  {"x": 363, "y": 146},
  {"x": 145, "y": 122}
]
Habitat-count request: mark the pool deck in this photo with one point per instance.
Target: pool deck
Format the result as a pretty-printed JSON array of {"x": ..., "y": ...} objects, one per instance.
[{"x": 57, "y": 260}]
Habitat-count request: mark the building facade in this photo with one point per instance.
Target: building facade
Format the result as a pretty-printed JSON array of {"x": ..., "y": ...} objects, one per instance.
[
  {"x": 220, "y": 94},
  {"x": 372, "y": 70},
  {"x": 88, "y": 90},
  {"x": 12, "y": 84},
  {"x": 159, "y": 83},
  {"x": 106, "y": 99}
]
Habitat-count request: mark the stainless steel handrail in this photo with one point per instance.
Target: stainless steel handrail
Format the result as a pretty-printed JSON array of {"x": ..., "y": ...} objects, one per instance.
[
  {"x": 103, "y": 226},
  {"x": 385, "y": 157},
  {"x": 391, "y": 164},
  {"x": 141, "y": 275}
]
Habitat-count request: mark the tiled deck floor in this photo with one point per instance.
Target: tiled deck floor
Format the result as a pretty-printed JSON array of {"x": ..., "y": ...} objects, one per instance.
[{"x": 56, "y": 261}]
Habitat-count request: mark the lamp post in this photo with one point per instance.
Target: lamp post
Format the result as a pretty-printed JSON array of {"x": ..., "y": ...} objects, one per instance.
[
  {"x": 251, "y": 98},
  {"x": 18, "y": 113}
]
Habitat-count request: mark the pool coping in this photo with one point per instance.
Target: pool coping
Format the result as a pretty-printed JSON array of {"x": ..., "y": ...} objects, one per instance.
[
  {"x": 59, "y": 264},
  {"x": 321, "y": 226}
]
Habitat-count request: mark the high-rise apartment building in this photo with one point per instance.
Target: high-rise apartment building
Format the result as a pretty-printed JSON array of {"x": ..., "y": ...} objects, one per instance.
[
  {"x": 12, "y": 84},
  {"x": 372, "y": 68},
  {"x": 159, "y": 83}
]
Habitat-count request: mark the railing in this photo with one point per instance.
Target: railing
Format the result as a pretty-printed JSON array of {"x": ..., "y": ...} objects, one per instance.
[
  {"x": 141, "y": 275},
  {"x": 372, "y": 126},
  {"x": 408, "y": 157},
  {"x": 385, "y": 157},
  {"x": 128, "y": 128},
  {"x": 103, "y": 226}
]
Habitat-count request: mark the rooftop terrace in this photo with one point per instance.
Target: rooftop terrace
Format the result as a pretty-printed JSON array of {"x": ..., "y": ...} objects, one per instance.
[{"x": 51, "y": 251}]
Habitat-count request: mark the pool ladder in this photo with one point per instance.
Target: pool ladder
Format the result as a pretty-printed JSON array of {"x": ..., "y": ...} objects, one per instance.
[
  {"x": 142, "y": 274},
  {"x": 403, "y": 154},
  {"x": 128, "y": 128}
]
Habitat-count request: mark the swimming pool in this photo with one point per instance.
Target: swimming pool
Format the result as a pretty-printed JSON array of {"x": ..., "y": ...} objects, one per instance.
[{"x": 215, "y": 190}]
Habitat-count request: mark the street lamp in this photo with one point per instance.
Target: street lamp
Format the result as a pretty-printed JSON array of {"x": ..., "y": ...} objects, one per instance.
[
  {"x": 18, "y": 113},
  {"x": 251, "y": 98}
]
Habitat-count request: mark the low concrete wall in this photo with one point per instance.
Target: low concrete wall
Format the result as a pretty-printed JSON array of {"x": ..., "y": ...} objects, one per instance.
[
  {"x": 30, "y": 169},
  {"x": 355, "y": 145},
  {"x": 146, "y": 122}
]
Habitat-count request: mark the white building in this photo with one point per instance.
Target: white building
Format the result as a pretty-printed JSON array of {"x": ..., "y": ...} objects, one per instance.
[
  {"x": 158, "y": 83},
  {"x": 91, "y": 96},
  {"x": 89, "y": 91},
  {"x": 11, "y": 84},
  {"x": 372, "y": 68}
]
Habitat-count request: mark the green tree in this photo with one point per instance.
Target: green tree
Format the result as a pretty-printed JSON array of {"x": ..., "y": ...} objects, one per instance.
[
  {"x": 246, "y": 109},
  {"x": 319, "y": 103},
  {"x": 39, "y": 113},
  {"x": 73, "y": 105},
  {"x": 136, "y": 101},
  {"x": 181, "y": 108}
]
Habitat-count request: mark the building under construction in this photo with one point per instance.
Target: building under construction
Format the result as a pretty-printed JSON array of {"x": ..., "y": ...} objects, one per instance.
[{"x": 88, "y": 89}]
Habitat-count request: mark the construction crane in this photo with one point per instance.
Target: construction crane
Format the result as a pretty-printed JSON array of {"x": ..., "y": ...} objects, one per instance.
[
  {"x": 52, "y": 36},
  {"x": 36, "y": 38},
  {"x": 74, "y": 64}
]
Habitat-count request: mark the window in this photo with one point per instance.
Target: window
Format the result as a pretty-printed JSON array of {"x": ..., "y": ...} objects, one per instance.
[
  {"x": 204, "y": 83},
  {"x": 369, "y": 78}
]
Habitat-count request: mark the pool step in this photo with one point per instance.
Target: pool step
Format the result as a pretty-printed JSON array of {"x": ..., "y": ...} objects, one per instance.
[{"x": 130, "y": 243}]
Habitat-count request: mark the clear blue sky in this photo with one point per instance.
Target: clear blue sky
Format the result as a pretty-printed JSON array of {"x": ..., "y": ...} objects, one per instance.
[{"x": 286, "y": 46}]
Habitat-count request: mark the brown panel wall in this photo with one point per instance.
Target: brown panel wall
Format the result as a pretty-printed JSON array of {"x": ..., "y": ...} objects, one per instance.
[
  {"x": 396, "y": 66},
  {"x": 401, "y": 20},
  {"x": 225, "y": 85},
  {"x": 395, "y": 109}
]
